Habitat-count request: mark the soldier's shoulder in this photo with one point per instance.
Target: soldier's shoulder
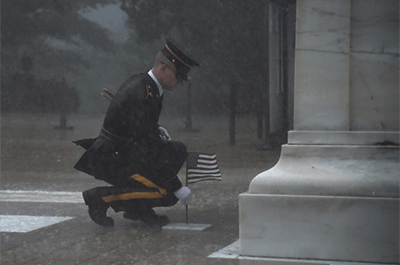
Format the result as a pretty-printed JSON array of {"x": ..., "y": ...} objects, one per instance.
[
  {"x": 134, "y": 88},
  {"x": 134, "y": 80},
  {"x": 143, "y": 83}
]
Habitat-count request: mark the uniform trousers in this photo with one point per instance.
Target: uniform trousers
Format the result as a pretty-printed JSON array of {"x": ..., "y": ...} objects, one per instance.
[{"x": 139, "y": 184}]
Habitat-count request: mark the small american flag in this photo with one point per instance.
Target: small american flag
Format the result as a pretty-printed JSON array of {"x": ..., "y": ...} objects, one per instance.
[{"x": 202, "y": 167}]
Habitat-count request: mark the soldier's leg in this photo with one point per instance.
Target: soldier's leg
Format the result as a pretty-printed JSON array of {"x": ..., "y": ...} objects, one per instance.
[
  {"x": 94, "y": 198},
  {"x": 97, "y": 206},
  {"x": 143, "y": 210},
  {"x": 132, "y": 195},
  {"x": 138, "y": 203}
]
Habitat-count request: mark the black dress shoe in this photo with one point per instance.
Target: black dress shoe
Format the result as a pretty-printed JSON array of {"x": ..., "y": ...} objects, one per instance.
[
  {"x": 97, "y": 208},
  {"x": 149, "y": 217}
]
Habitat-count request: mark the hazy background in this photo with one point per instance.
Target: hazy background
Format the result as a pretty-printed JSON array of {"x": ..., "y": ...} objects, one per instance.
[{"x": 57, "y": 55}]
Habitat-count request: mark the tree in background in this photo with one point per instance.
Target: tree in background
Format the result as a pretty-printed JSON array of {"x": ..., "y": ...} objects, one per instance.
[
  {"x": 28, "y": 25},
  {"x": 53, "y": 34}
]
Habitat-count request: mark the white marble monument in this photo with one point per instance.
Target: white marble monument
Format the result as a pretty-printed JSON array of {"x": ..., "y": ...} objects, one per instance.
[{"x": 334, "y": 194}]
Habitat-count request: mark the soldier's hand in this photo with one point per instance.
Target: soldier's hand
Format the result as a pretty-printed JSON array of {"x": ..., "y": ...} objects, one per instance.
[
  {"x": 184, "y": 194},
  {"x": 164, "y": 134}
]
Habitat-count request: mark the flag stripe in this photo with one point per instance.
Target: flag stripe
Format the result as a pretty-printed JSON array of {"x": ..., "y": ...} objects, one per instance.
[
  {"x": 202, "y": 167},
  {"x": 211, "y": 162},
  {"x": 208, "y": 156},
  {"x": 204, "y": 172},
  {"x": 202, "y": 176},
  {"x": 198, "y": 180},
  {"x": 206, "y": 166},
  {"x": 208, "y": 177},
  {"x": 194, "y": 171}
]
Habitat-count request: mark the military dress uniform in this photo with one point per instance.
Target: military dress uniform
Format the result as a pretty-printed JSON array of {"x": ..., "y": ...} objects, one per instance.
[{"x": 130, "y": 155}]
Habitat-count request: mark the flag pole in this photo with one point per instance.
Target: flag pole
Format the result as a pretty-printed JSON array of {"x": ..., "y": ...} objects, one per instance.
[{"x": 187, "y": 208}]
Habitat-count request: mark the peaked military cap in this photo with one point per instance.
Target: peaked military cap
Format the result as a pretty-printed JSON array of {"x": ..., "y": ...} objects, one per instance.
[{"x": 183, "y": 63}]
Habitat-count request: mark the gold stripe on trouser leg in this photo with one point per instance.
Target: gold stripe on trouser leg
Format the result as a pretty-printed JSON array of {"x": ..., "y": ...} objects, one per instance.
[
  {"x": 138, "y": 195},
  {"x": 148, "y": 183}
]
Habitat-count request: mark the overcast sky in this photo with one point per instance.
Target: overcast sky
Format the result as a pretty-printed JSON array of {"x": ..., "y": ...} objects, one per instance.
[{"x": 110, "y": 17}]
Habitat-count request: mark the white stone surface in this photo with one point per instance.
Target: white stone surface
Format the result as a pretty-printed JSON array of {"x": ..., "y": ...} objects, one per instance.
[
  {"x": 374, "y": 97},
  {"x": 322, "y": 66},
  {"x": 332, "y": 170},
  {"x": 320, "y": 227},
  {"x": 232, "y": 252},
  {"x": 375, "y": 26},
  {"x": 342, "y": 137},
  {"x": 374, "y": 65},
  {"x": 334, "y": 194},
  {"x": 229, "y": 252},
  {"x": 347, "y": 65},
  {"x": 321, "y": 91},
  {"x": 187, "y": 227},
  {"x": 331, "y": 36},
  {"x": 40, "y": 196},
  {"x": 26, "y": 223}
]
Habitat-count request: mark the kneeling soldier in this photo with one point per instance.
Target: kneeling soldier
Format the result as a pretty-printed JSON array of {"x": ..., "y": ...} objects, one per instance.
[{"x": 132, "y": 152}]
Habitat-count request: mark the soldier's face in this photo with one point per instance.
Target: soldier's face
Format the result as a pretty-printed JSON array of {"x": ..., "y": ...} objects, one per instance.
[{"x": 172, "y": 80}]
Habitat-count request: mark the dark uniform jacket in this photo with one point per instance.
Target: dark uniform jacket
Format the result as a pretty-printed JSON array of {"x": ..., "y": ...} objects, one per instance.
[{"x": 129, "y": 142}]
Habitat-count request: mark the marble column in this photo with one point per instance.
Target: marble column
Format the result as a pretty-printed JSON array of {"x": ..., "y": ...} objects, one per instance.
[{"x": 334, "y": 194}]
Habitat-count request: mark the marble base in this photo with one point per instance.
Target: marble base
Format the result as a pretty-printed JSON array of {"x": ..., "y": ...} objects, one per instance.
[
  {"x": 332, "y": 170},
  {"x": 343, "y": 137},
  {"x": 324, "y": 202},
  {"x": 320, "y": 227}
]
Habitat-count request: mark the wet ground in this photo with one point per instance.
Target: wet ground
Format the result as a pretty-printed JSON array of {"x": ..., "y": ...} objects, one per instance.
[{"x": 38, "y": 158}]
